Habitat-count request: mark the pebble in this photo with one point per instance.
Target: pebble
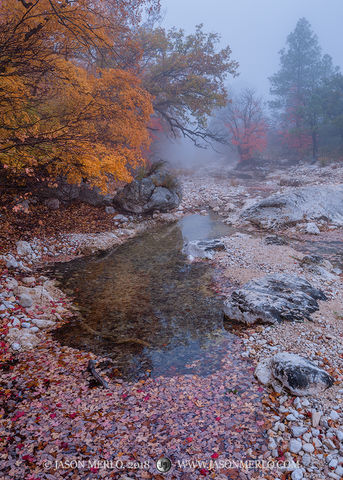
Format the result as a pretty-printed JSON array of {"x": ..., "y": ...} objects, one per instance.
[
  {"x": 316, "y": 416},
  {"x": 308, "y": 447},
  {"x": 295, "y": 445},
  {"x": 26, "y": 324},
  {"x": 306, "y": 460},
  {"x": 16, "y": 346},
  {"x": 334, "y": 415},
  {"x": 25, "y": 300},
  {"x": 298, "y": 431},
  {"x": 297, "y": 474}
]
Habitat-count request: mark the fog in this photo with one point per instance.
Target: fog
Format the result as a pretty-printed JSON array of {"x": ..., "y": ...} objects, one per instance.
[{"x": 257, "y": 30}]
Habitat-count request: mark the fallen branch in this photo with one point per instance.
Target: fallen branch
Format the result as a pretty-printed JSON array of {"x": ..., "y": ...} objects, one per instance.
[{"x": 98, "y": 378}]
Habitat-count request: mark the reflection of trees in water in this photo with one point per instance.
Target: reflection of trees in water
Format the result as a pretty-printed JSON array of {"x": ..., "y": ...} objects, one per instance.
[{"x": 143, "y": 289}]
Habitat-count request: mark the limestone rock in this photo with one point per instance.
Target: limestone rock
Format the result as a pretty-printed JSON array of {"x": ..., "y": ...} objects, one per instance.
[
  {"x": 158, "y": 191},
  {"x": 203, "y": 248},
  {"x": 319, "y": 202},
  {"x": 273, "y": 298},
  {"x": 24, "y": 249},
  {"x": 299, "y": 375}
]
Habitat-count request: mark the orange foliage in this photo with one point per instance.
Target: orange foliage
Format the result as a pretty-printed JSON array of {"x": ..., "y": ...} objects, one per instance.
[{"x": 61, "y": 113}]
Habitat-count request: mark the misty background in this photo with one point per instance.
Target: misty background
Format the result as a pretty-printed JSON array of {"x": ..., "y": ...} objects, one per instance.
[{"x": 255, "y": 31}]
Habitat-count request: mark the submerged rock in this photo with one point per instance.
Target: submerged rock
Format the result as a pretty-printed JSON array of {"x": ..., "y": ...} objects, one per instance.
[
  {"x": 273, "y": 298},
  {"x": 203, "y": 248},
  {"x": 298, "y": 205},
  {"x": 297, "y": 374}
]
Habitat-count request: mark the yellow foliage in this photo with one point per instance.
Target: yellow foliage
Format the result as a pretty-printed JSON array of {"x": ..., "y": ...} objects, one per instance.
[{"x": 60, "y": 114}]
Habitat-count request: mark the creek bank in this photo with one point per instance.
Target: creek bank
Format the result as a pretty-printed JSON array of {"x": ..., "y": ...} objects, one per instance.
[{"x": 306, "y": 430}]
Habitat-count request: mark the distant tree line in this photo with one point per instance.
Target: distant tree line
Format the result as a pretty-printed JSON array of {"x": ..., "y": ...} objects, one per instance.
[{"x": 306, "y": 120}]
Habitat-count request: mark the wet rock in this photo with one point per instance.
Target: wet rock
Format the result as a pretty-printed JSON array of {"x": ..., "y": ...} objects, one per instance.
[
  {"x": 299, "y": 375},
  {"x": 203, "y": 248},
  {"x": 317, "y": 202},
  {"x": 52, "y": 203},
  {"x": 158, "y": 191},
  {"x": 25, "y": 300},
  {"x": 273, "y": 298}
]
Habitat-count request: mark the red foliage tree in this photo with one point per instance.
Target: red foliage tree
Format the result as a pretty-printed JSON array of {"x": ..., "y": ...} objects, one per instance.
[{"x": 244, "y": 119}]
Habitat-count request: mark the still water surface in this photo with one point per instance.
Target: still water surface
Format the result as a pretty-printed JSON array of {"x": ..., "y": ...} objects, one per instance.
[{"x": 145, "y": 307}]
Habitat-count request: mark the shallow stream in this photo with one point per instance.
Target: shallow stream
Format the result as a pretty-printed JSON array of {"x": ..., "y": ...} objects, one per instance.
[{"x": 145, "y": 307}]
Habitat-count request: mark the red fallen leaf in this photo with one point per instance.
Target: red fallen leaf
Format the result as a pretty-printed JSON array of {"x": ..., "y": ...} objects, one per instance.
[
  {"x": 124, "y": 395},
  {"x": 28, "y": 458},
  {"x": 260, "y": 389},
  {"x": 189, "y": 439},
  {"x": 215, "y": 455},
  {"x": 146, "y": 398},
  {"x": 217, "y": 419},
  {"x": 59, "y": 405},
  {"x": 204, "y": 472},
  {"x": 72, "y": 415},
  {"x": 139, "y": 390},
  {"x": 18, "y": 415},
  {"x": 52, "y": 415},
  {"x": 20, "y": 446},
  {"x": 94, "y": 469},
  {"x": 64, "y": 445}
]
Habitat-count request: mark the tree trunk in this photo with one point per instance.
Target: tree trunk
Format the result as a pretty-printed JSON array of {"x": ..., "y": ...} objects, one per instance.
[{"x": 314, "y": 146}]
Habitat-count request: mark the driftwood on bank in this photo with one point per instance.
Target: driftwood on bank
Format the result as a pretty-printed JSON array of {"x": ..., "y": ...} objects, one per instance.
[{"x": 98, "y": 378}]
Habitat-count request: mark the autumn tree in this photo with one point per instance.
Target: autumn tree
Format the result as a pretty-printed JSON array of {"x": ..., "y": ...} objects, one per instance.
[
  {"x": 61, "y": 112},
  {"x": 297, "y": 86},
  {"x": 245, "y": 124},
  {"x": 185, "y": 74}
]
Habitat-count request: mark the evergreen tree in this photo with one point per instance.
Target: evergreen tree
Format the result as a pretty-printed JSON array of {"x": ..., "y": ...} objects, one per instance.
[{"x": 297, "y": 87}]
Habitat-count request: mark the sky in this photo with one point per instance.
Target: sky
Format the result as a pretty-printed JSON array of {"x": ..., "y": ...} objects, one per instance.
[{"x": 256, "y": 30}]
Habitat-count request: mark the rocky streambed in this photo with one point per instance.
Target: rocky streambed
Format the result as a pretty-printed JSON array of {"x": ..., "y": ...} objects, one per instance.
[{"x": 210, "y": 406}]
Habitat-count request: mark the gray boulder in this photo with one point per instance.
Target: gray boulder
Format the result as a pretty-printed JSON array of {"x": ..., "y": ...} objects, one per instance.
[
  {"x": 273, "y": 298},
  {"x": 52, "y": 203},
  {"x": 66, "y": 192},
  {"x": 203, "y": 248},
  {"x": 299, "y": 375},
  {"x": 319, "y": 202},
  {"x": 158, "y": 191},
  {"x": 25, "y": 300}
]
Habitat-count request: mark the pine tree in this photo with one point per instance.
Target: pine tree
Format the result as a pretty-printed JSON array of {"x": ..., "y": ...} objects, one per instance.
[{"x": 297, "y": 85}]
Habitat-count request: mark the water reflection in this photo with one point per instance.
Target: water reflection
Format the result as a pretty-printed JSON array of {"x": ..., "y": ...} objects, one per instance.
[{"x": 145, "y": 307}]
